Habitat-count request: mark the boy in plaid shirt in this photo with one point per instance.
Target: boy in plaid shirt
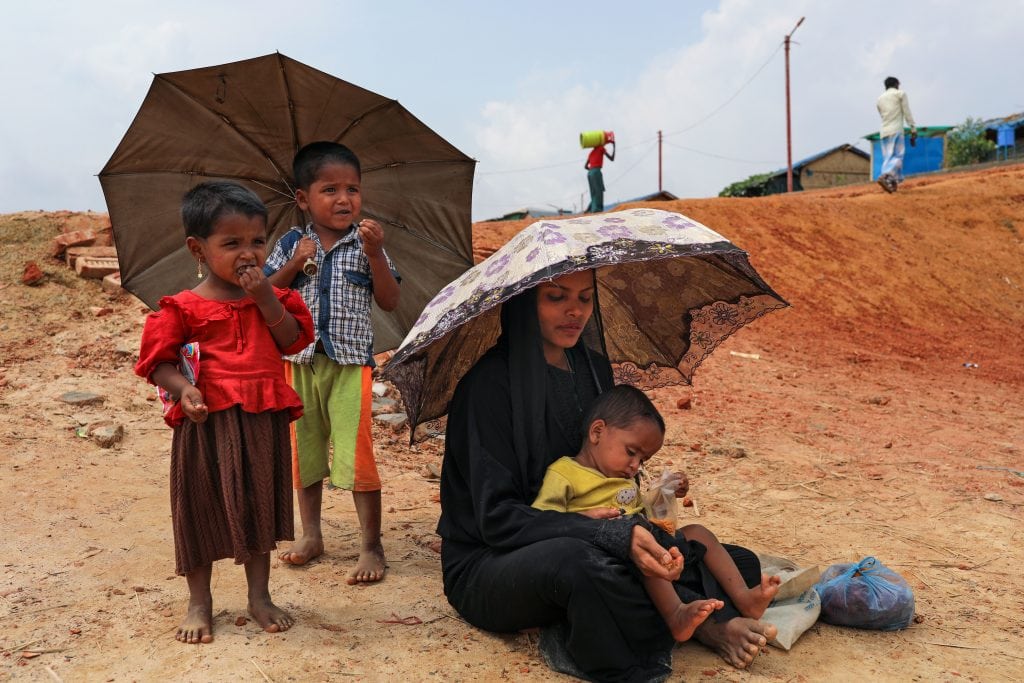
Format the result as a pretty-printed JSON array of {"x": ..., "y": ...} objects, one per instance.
[{"x": 333, "y": 375}]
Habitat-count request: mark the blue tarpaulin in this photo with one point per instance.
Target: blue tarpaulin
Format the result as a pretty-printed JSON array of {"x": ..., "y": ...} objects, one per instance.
[{"x": 924, "y": 157}]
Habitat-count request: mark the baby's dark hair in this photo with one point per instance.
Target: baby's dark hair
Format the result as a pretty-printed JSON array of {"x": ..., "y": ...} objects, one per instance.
[
  {"x": 314, "y": 156},
  {"x": 892, "y": 82},
  {"x": 208, "y": 202},
  {"x": 620, "y": 407}
]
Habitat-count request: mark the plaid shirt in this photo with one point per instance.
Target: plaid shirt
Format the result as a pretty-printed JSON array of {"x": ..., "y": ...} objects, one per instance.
[{"x": 339, "y": 295}]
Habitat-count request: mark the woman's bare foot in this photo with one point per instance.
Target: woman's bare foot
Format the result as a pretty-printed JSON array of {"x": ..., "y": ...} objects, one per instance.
[
  {"x": 369, "y": 568},
  {"x": 198, "y": 624},
  {"x": 304, "y": 550},
  {"x": 759, "y": 597},
  {"x": 689, "y": 615},
  {"x": 269, "y": 616},
  {"x": 738, "y": 640}
]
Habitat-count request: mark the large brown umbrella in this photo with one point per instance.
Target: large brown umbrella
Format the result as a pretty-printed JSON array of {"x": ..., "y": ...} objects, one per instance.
[
  {"x": 670, "y": 291},
  {"x": 244, "y": 121}
]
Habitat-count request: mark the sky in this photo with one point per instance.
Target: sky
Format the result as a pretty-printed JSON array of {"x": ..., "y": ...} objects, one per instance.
[{"x": 512, "y": 84}]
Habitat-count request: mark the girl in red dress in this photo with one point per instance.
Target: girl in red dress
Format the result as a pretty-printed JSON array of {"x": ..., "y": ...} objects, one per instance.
[{"x": 230, "y": 474}]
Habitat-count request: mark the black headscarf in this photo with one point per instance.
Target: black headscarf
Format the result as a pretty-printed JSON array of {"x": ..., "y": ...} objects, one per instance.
[{"x": 540, "y": 430}]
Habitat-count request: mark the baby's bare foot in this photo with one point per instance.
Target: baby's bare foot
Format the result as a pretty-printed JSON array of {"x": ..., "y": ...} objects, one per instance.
[
  {"x": 370, "y": 567},
  {"x": 759, "y": 597},
  {"x": 304, "y": 550},
  {"x": 197, "y": 626},
  {"x": 689, "y": 615},
  {"x": 269, "y": 616}
]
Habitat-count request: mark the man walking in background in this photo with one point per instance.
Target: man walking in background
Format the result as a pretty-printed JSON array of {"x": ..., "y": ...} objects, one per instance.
[{"x": 894, "y": 109}]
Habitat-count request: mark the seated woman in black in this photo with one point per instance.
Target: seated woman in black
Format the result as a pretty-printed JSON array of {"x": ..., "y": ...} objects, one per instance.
[{"x": 507, "y": 566}]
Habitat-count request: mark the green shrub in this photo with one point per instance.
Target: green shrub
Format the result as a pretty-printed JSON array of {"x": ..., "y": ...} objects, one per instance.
[
  {"x": 966, "y": 144},
  {"x": 754, "y": 186}
]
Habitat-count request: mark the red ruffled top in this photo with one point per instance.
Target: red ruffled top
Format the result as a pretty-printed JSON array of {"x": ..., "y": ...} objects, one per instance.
[{"x": 239, "y": 361}]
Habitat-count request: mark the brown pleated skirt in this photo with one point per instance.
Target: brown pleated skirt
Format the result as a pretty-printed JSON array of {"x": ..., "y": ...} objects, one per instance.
[{"x": 231, "y": 487}]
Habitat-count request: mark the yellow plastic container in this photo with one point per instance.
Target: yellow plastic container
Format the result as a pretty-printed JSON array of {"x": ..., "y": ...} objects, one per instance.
[{"x": 594, "y": 138}]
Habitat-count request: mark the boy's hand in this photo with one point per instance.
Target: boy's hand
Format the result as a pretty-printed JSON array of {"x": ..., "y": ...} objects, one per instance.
[
  {"x": 305, "y": 248},
  {"x": 256, "y": 284},
  {"x": 192, "y": 404},
  {"x": 372, "y": 236},
  {"x": 684, "y": 485}
]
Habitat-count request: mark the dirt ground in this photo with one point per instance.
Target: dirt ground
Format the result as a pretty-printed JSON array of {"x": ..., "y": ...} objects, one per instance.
[{"x": 860, "y": 429}]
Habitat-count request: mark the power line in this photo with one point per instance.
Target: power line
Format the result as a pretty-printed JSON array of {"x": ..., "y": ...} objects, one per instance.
[
  {"x": 528, "y": 170},
  {"x": 561, "y": 163},
  {"x": 734, "y": 95},
  {"x": 624, "y": 173},
  {"x": 719, "y": 156}
]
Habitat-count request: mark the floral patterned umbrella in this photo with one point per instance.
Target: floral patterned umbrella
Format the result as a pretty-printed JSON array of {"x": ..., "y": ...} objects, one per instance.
[{"x": 670, "y": 291}]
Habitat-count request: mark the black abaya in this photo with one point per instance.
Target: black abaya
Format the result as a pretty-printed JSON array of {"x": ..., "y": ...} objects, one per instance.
[{"x": 508, "y": 566}]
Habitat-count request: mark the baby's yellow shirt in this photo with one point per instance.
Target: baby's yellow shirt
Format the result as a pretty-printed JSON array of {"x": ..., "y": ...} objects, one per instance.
[{"x": 570, "y": 487}]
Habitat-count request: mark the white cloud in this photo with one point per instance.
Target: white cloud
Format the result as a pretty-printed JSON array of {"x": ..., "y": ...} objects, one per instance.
[
  {"x": 116, "y": 63},
  {"x": 839, "y": 57},
  {"x": 516, "y": 100}
]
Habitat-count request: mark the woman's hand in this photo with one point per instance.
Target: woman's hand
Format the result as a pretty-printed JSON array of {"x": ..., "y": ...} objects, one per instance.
[
  {"x": 192, "y": 404},
  {"x": 602, "y": 513},
  {"x": 651, "y": 559}
]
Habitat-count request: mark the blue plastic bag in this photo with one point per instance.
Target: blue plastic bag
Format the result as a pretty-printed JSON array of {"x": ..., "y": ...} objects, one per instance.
[{"x": 865, "y": 594}]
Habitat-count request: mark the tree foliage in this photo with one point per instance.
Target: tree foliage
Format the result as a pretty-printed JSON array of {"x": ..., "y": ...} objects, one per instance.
[
  {"x": 966, "y": 144},
  {"x": 754, "y": 186}
]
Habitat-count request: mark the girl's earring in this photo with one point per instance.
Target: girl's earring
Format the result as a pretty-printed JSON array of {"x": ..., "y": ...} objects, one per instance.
[{"x": 199, "y": 269}]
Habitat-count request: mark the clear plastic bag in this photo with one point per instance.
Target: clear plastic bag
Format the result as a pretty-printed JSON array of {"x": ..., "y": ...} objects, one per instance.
[
  {"x": 660, "y": 500},
  {"x": 865, "y": 594}
]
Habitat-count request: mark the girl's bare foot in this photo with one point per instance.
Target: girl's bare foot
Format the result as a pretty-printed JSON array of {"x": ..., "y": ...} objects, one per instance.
[
  {"x": 689, "y": 615},
  {"x": 759, "y": 597},
  {"x": 304, "y": 550},
  {"x": 738, "y": 640},
  {"x": 369, "y": 568},
  {"x": 198, "y": 624},
  {"x": 269, "y": 616}
]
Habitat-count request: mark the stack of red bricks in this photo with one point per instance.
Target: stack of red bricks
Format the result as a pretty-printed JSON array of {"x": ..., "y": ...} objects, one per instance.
[{"x": 90, "y": 252}]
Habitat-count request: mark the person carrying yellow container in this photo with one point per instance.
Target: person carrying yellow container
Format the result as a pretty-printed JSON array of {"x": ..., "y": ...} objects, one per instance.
[{"x": 595, "y": 160}]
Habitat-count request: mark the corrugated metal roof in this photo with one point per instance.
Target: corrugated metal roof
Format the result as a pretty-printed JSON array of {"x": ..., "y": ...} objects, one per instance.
[
  {"x": 530, "y": 212},
  {"x": 1014, "y": 120},
  {"x": 838, "y": 148}
]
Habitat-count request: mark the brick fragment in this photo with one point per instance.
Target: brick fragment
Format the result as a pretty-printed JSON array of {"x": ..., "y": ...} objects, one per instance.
[{"x": 95, "y": 267}]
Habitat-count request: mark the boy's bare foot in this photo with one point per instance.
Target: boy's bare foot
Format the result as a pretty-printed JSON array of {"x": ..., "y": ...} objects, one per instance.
[
  {"x": 369, "y": 568},
  {"x": 759, "y": 597},
  {"x": 197, "y": 626},
  {"x": 738, "y": 640},
  {"x": 269, "y": 616},
  {"x": 689, "y": 615},
  {"x": 304, "y": 550}
]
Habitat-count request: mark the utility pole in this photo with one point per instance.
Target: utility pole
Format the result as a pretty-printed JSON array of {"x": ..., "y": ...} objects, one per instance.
[
  {"x": 659, "y": 161},
  {"x": 789, "y": 133}
]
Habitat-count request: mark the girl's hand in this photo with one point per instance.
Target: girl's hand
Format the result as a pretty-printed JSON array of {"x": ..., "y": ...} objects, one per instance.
[
  {"x": 651, "y": 559},
  {"x": 192, "y": 404},
  {"x": 372, "y": 236},
  {"x": 256, "y": 284},
  {"x": 602, "y": 513}
]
